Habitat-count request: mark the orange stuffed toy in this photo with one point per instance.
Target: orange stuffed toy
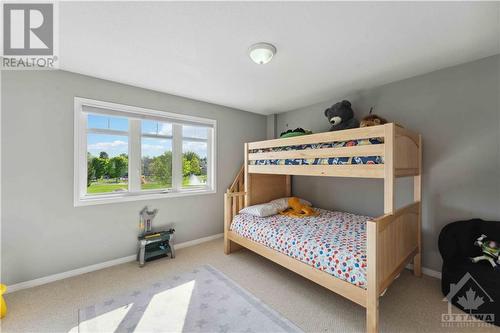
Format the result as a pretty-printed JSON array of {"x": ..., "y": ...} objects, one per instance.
[{"x": 296, "y": 209}]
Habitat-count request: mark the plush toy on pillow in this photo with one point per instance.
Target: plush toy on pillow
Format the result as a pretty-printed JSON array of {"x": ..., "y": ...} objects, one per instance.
[
  {"x": 491, "y": 251},
  {"x": 298, "y": 209}
]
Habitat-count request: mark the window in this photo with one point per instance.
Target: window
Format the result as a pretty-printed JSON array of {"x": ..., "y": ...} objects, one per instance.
[
  {"x": 125, "y": 153},
  {"x": 156, "y": 155},
  {"x": 194, "y": 156}
]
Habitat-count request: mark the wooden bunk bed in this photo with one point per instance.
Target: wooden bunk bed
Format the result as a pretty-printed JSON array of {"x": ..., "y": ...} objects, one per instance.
[{"x": 392, "y": 240}]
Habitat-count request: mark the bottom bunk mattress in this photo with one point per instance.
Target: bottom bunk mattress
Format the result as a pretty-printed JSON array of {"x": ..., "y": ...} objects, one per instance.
[{"x": 333, "y": 242}]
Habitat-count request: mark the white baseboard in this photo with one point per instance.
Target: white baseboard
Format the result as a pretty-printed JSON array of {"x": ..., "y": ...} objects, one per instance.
[
  {"x": 198, "y": 241},
  {"x": 118, "y": 261},
  {"x": 427, "y": 271},
  {"x": 95, "y": 267}
]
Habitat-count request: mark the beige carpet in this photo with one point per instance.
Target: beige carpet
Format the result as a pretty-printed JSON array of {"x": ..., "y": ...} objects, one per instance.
[{"x": 410, "y": 305}]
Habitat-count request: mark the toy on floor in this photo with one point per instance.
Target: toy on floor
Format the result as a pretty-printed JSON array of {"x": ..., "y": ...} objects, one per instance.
[
  {"x": 296, "y": 132},
  {"x": 297, "y": 209},
  {"x": 3, "y": 305},
  {"x": 146, "y": 220},
  {"x": 156, "y": 244},
  {"x": 341, "y": 116},
  {"x": 372, "y": 120},
  {"x": 491, "y": 251}
]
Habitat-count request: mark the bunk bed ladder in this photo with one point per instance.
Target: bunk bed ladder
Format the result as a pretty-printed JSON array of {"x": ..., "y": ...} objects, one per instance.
[{"x": 234, "y": 201}]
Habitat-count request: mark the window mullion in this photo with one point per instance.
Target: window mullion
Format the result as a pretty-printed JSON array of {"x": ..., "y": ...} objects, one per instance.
[
  {"x": 134, "y": 155},
  {"x": 176, "y": 157},
  {"x": 210, "y": 161},
  {"x": 106, "y": 131},
  {"x": 82, "y": 155}
]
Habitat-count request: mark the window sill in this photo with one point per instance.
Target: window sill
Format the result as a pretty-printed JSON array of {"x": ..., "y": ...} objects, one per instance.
[{"x": 126, "y": 197}]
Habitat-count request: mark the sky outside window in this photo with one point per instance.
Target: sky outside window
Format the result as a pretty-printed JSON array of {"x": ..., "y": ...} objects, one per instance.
[{"x": 107, "y": 122}]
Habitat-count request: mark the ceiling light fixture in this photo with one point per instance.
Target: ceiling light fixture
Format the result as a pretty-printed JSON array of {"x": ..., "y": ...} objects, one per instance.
[{"x": 261, "y": 53}]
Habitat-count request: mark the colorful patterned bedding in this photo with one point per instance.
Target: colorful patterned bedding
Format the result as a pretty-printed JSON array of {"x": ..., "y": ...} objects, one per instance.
[
  {"x": 322, "y": 161},
  {"x": 333, "y": 242}
]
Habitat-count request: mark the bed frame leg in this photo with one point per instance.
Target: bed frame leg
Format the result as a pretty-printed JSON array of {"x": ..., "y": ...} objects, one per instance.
[
  {"x": 372, "y": 316},
  {"x": 372, "y": 290},
  {"x": 417, "y": 265},
  {"x": 227, "y": 246},
  {"x": 230, "y": 247},
  {"x": 228, "y": 217}
]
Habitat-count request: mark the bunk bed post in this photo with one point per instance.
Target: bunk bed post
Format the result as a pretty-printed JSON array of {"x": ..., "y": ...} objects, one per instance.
[
  {"x": 227, "y": 222},
  {"x": 247, "y": 177},
  {"x": 417, "y": 197},
  {"x": 372, "y": 230},
  {"x": 389, "y": 143},
  {"x": 372, "y": 292}
]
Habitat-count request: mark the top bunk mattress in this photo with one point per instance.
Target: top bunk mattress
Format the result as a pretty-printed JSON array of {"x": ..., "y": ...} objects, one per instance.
[
  {"x": 334, "y": 242},
  {"x": 322, "y": 161}
]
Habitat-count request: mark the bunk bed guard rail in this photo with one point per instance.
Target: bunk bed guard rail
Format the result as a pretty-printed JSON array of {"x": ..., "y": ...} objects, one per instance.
[{"x": 362, "y": 152}]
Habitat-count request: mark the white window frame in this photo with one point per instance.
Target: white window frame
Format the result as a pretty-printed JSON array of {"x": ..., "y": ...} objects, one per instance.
[{"x": 134, "y": 149}]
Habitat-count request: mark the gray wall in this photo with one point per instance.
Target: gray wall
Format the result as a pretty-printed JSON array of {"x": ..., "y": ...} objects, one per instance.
[
  {"x": 271, "y": 126},
  {"x": 42, "y": 233},
  {"x": 457, "y": 112}
]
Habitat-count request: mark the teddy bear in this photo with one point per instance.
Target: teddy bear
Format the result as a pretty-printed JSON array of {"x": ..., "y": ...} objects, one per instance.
[
  {"x": 341, "y": 116},
  {"x": 372, "y": 120}
]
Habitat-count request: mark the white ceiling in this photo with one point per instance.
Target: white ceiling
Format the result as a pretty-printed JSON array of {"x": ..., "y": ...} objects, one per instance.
[{"x": 325, "y": 50}]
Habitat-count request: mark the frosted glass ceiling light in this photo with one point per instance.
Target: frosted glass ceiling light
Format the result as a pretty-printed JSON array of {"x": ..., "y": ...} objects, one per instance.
[{"x": 261, "y": 53}]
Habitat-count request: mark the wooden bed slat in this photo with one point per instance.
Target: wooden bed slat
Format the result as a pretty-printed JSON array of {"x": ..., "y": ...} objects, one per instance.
[
  {"x": 351, "y": 170},
  {"x": 235, "y": 209},
  {"x": 240, "y": 203},
  {"x": 362, "y": 150},
  {"x": 345, "y": 135},
  {"x": 384, "y": 220}
]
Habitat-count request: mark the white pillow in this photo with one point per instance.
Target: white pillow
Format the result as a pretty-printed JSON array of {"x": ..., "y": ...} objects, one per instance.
[
  {"x": 261, "y": 210},
  {"x": 282, "y": 203}
]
